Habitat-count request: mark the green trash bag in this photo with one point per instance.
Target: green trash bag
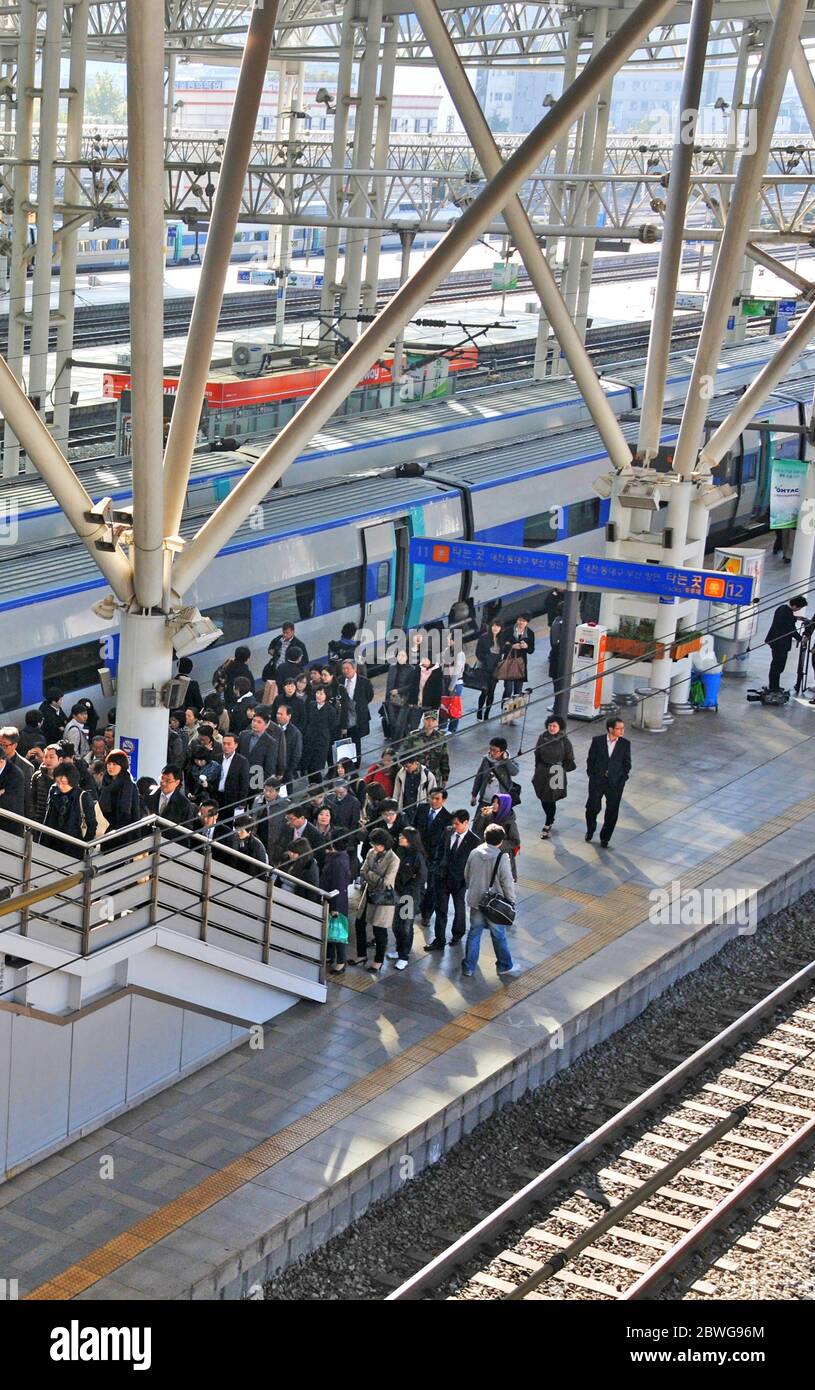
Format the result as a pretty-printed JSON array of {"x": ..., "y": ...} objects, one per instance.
[
  {"x": 338, "y": 928},
  {"x": 697, "y": 693}
]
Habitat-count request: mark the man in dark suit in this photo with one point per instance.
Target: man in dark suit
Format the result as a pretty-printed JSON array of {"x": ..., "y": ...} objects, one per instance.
[
  {"x": 459, "y": 843},
  {"x": 360, "y": 693},
  {"x": 298, "y": 828},
  {"x": 781, "y": 636},
  {"x": 287, "y": 655},
  {"x": 262, "y": 746},
  {"x": 12, "y": 794},
  {"x": 169, "y": 801},
  {"x": 9, "y": 740},
  {"x": 608, "y": 767},
  {"x": 432, "y": 819},
  {"x": 291, "y": 741},
  {"x": 209, "y": 827},
  {"x": 233, "y": 784},
  {"x": 269, "y": 813}
]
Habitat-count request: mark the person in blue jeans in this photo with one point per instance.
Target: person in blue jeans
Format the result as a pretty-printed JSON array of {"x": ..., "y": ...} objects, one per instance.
[{"x": 478, "y": 876}]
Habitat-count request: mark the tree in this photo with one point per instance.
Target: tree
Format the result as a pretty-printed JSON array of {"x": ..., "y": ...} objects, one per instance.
[{"x": 105, "y": 100}]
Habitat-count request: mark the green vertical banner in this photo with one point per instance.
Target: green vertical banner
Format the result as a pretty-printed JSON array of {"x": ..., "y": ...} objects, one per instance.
[{"x": 786, "y": 484}]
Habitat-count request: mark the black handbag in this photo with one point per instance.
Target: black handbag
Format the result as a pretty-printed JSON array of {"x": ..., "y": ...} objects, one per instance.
[
  {"x": 382, "y": 897},
  {"x": 475, "y": 677},
  {"x": 497, "y": 909}
]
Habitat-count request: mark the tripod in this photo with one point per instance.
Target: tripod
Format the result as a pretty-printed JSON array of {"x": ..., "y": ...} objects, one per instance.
[{"x": 805, "y": 654}]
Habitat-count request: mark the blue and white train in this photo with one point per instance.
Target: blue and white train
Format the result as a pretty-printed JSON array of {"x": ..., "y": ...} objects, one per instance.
[{"x": 330, "y": 549}]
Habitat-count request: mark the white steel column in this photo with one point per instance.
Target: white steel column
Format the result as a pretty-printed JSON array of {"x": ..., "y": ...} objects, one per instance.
[
  {"x": 145, "y": 133},
  {"x": 23, "y": 130},
  {"x": 335, "y": 387},
  {"x": 169, "y": 112},
  {"x": 384, "y": 107},
  {"x": 537, "y": 266},
  {"x": 592, "y": 203},
  {"x": 46, "y": 188},
  {"x": 328, "y": 297},
  {"x": 584, "y": 163},
  {"x": 670, "y": 253},
  {"x": 217, "y": 255},
  {"x": 296, "y": 94},
  {"x": 407, "y": 239},
  {"x": 556, "y": 194},
  {"x": 800, "y": 575},
  {"x": 145, "y": 662},
  {"x": 737, "y": 116},
  {"x": 777, "y": 55},
  {"x": 363, "y": 140},
  {"x": 68, "y": 239}
]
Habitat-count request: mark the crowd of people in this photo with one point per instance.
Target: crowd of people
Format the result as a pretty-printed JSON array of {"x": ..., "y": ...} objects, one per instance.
[{"x": 270, "y": 766}]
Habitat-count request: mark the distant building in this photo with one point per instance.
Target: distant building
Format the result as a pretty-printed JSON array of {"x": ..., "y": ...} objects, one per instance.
[{"x": 205, "y": 103}]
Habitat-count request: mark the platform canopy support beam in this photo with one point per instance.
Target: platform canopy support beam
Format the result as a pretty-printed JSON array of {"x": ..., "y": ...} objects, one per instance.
[
  {"x": 18, "y": 279},
  {"x": 670, "y": 253},
  {"x": 319, "y": 407},
  {"x": 41, "y": 315},
  {"x": 775, "y": 67},
  {"x": 217, "y": 256},
  {"x": 80, "y": 16},
  {"x": 537, "y": 266}
]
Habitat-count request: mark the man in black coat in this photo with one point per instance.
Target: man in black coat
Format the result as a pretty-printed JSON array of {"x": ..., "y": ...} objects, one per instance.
[
  {"x": 608, "y": 767},
  {"x": 169, "y": 800},
  {"x": 245, "y": 842},
  {"x": 459, "y": 843},
  {"x": 291, "y": 741},
  {"x": 12, "y": 794},
  {"x": 432, "y": 819},
  {"x": 287, "y": 655},
  {"x": 269, "y": 813},
  {"x": 297, "y": 828},
  {"x": 262, "y": 746},
  {"x": 360, "y": 693},
  {"x": 54, "y": 717},
  {"x": 234, "y": 781},
  {"x": 781, "y": 636},
  {"x": 345, "y": 813},
  {"x": 9, "y": 740}
]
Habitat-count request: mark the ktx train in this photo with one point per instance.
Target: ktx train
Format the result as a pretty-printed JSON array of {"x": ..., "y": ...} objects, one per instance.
[{"x": 325, "y": 549}]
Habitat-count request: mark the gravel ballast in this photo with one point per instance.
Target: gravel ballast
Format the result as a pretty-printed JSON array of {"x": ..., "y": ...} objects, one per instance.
[{"x": 401, "y": 1233}]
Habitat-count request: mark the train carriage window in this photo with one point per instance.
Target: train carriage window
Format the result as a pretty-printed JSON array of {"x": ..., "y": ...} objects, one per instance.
[
  {"x": 234, "y": 619},
  {"x": 292, "y": 604},
  {"x": 11, "y": 688},
  {"x": 383, "y": 578},
  {"x": 74, "y": 668},
  {"x": 749, "y": 467},
  {"x": 583, "y": 516},
  {"x": 540, "y": 529},
  {"x": 346, "y": 588}
]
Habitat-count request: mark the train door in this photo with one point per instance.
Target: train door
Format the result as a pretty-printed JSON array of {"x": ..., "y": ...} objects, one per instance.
[{"x": 386, "y": 557}]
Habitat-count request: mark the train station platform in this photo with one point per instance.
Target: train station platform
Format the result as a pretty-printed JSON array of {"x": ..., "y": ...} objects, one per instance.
[{"x": 204, "y": 1190}]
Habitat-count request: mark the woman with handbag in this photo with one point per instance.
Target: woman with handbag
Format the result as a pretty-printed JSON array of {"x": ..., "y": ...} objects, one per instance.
[
  {"x": 519, "y": 644},
  {"x": 488, "y": 651},
  {"x": 335, "y": 877},
  {"x": 554, "y": 757},
  {"x": 379, "y": 880}
]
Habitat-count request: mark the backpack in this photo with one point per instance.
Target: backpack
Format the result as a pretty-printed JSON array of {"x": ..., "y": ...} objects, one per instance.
[{"x": 768, "y": 697}]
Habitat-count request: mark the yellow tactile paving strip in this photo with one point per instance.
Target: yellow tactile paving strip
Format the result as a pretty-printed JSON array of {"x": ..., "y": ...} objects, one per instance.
[{"x": 608, "y": 918}]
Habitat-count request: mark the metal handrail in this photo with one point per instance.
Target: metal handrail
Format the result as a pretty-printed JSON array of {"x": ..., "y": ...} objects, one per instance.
[{"x": 148, "y": 822}]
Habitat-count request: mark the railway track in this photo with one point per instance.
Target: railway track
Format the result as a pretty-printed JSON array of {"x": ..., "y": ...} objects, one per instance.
[
  {"x": 620, "y": 1214},
  {"x": 104, "y": 325}
]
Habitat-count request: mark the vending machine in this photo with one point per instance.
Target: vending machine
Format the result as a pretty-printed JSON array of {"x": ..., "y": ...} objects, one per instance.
[{"x": 588, "y": 667}]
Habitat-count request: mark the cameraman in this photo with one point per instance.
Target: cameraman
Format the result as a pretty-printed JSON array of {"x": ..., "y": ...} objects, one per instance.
[{"x": 783, "y": 632}]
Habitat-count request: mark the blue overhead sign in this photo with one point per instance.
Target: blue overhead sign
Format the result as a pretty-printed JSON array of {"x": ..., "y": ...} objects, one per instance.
[
  {"x": 545, "y": 566},
  {"x": 664, "y": 581}
]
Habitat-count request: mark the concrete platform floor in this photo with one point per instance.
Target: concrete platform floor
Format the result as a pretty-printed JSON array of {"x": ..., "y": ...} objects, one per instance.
[{"x": 205, "y": 1189}]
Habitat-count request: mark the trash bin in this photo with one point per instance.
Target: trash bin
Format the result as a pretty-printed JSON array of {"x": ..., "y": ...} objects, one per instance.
[{"x": 711, "y": 680}]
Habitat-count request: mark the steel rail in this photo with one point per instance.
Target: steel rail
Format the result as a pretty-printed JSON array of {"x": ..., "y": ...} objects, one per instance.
[{"x": 490, "y": 1226}]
